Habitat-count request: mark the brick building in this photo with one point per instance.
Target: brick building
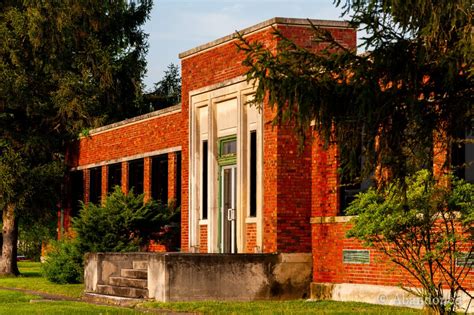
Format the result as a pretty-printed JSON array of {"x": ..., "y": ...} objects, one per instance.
[{"x": 242, "y": 184}]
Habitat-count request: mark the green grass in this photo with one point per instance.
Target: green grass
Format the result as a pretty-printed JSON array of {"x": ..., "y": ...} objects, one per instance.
[
  {"x": 280, "y": 307},
  {"x": 12, "y": 302},
  {"x": 31, "y": 279}
]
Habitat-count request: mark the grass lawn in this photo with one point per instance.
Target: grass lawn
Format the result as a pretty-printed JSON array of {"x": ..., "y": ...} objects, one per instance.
[
  {"x": 31, "y": 279},
  {"x": 280, "y": 307},
  {"x": 12, "y": 302}
]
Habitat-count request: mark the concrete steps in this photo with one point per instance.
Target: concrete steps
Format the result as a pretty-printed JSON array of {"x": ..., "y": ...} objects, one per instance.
[
  {"x": 128, "y": 282},
  {"x": 122, "y": 291},
  {"x": 134, "y": 273},
  {"x": 132, "y": 283}
]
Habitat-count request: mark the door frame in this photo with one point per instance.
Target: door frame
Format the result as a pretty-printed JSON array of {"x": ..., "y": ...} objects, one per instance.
[{"x": 226, "y": 161}]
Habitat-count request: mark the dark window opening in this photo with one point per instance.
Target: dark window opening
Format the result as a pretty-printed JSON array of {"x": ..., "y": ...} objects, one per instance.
[
  {"x": 204, "y": 185},
  {"x": 178, "y": 179},
  {"x": 462, "y": 156},
  {"x": 253, "y": 174},
  {"x": 350, "y": 180},
  {"x": 114, "y": 177},
  {"x": 95, "y": 185},
  {"x": 159, "y": 178},
  {"x": 77, "y": 191},
  {"x": 135, "y": 176}
]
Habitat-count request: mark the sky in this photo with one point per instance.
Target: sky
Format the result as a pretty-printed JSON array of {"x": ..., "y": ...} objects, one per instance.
[{"x": 179, "y": 25}]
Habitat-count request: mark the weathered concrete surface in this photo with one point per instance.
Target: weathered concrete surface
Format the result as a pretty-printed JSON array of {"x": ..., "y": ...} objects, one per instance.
[
  {"x": 99, "y": 267},
  {"x": 191, "y": 277},
  {"x": 375, "y": 294}
]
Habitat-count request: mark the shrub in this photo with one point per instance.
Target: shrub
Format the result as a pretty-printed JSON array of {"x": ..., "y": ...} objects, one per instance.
[
  {"x": 63, "y": 263},
  {"x": 426, "y": 228},
  {"x": 123, "y": 223}
]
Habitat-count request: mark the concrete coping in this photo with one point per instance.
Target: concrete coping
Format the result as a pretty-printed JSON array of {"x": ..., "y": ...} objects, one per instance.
[
  {"x": 259, "y": 26},
  {"x": 156, "y": 113}
]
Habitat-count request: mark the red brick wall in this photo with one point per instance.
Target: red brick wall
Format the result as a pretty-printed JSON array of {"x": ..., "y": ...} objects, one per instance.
[
  {"x": 328, "y": 242},
  {"x": 250, "y": 237},
  {"x": 203, "y": 238},
  {"x": 324, "y": 179},
  {"x": 286, "y": 173},
  {"x": 158, "y": 133},
  {"x": 294, "y": 194}
]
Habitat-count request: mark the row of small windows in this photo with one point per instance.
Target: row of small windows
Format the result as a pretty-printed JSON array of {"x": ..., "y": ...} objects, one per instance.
[{"x": 159, "y": 180}]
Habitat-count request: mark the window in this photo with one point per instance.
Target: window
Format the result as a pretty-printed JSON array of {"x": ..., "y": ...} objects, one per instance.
[
  {"x": 178, "y": 179},
  {"x": 204, "y": 184},
  {"x": 95, "y": 184},
  {"x": 114, "y": 176},
  {"x": 228, "y": 147},
  {"x": 159, "y": 178},
  {"x": 253, "y": 174},
  {"x": 77, "y": 191},
  {"x": 462, "y": 156},
  {"x": 135, "y": 176}
]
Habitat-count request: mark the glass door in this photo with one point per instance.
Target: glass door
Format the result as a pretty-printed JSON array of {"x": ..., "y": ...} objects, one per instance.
[{"x": 229, "y": 209}]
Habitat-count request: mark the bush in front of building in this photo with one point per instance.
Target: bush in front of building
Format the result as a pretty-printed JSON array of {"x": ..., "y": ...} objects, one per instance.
[
  {"x": 123, "y": 223},
  {"x": 425, "y": 226},
  {"x": 63, "y": 263}
]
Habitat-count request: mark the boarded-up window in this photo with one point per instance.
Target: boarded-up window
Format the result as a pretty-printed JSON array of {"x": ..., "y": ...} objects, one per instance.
[
  {"x": 95, "y": 185},
  {"x": 159, "y": 178},
  {"x": 77, "y": 191},
  {"x": 135, "y": 176},
  {"x": 114, "y": 176}
]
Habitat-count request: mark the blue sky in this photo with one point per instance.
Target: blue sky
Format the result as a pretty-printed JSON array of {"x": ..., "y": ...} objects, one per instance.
[{"x": 178, "y": 25}]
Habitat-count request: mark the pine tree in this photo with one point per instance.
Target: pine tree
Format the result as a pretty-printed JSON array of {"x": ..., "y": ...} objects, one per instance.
[
  {"x": 167, "y": 92},
  {"x": 65, "y": 66},
  {"x": 415, "y": 80}
]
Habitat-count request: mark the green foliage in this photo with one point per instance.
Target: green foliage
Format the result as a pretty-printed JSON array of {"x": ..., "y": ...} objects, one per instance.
[
  {"x": 123, "y": 223},
  {"x": 416, "y": 79},
  {"x": 423, "y": 227},
  {"x": 64, "y": 263},
  {"x": 167, "y": 92},
  {"x": 65, "y": 66}
]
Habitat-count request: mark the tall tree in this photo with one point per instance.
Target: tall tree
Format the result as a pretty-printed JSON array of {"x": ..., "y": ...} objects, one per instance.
[
  {"x": 415, "y": 81},
  {"x": 167, "y": 92},
  {"x": 65, "y": 66}
]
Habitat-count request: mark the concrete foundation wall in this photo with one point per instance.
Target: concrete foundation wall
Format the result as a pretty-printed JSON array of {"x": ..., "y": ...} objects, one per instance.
[
  {"x": 376, "y": 294},
  {"x": 192, "y": 277},
  {"x": 99, "y": 267}
]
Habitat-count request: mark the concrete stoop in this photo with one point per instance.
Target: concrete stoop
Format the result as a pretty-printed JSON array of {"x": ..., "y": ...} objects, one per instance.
[{"x": 132, "y": 283}]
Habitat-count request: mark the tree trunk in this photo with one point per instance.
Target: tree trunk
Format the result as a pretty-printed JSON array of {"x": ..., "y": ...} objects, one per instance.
[{"x": 8, "y": 265}]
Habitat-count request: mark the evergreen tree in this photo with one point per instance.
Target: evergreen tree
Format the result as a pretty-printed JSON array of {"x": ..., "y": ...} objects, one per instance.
[
  {"x": 65, "y": 66},
  {"x": 415, "y": 81},
  {"x": 167, "y": 92}
]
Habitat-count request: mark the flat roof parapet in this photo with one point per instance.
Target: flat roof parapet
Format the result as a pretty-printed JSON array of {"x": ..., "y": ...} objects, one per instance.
[
  {"x": 160, "y": 112},
  {"x": 259, "y": 26}
]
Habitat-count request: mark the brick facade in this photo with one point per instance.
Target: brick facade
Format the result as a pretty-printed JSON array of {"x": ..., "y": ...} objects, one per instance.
[{"x": 298, "y": 187}]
